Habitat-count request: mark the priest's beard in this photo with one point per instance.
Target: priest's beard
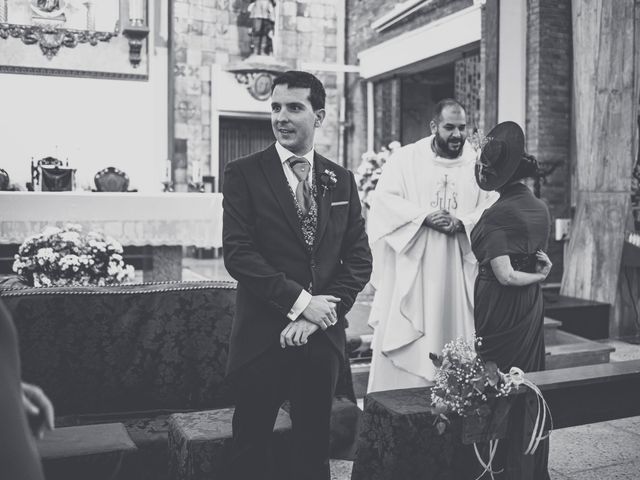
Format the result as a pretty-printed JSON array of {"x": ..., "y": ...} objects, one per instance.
[{"x": 444, "y": 148}]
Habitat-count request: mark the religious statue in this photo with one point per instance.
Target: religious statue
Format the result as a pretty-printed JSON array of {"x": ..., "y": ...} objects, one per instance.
[
  {"x": 49, "y": 12},
  {"x": 48, "y": 5},
  {"x": 262, "y": 14}
]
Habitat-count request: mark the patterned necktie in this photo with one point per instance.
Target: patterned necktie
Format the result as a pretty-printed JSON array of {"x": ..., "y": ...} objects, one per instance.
[{"x": 301, "y": 167}]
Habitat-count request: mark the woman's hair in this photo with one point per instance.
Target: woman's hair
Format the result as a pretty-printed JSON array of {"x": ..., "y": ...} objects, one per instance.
[{"x": 528, "y": 168}]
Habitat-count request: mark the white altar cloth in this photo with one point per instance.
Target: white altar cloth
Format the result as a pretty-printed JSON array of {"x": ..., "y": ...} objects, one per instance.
[{"x": 131, "y": 218}]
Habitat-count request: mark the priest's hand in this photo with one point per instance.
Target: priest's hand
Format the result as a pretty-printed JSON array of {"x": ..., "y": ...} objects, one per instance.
[
  {"x": 455, "y": 226},
  {"x": 321, "y": 311},
  {"x": 439, "y": 221},
  {"x": 297, "y": 333}
]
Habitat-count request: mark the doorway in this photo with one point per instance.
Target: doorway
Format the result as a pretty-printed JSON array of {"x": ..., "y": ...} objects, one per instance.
[
  {"x": 240, "y": 137},
  {"x": 420, "y": 93}
]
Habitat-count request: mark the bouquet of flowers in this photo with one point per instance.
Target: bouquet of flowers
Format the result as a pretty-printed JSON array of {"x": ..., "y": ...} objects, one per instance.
[
  {"x": 469, "y": 387},
  {"x": 370, "y": 169},
  {"x": 64, "y": 256},
  {"x": 464, "y": 382}
]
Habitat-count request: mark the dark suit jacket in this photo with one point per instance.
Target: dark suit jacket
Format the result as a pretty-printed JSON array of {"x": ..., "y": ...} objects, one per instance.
[{"x": 264, "y": 250}]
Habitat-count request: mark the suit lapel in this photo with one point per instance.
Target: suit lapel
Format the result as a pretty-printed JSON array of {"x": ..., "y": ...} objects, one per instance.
[
  {"x": 324, "y": 199},
  {"x": 272, "y": 168}
]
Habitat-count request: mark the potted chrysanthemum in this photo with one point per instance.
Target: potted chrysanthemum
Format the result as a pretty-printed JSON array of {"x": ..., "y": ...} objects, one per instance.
[{"x": 67, "y": 257}]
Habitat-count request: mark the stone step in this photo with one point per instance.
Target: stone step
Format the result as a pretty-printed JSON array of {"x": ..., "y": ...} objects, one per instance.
[
  {"x": 586, "y": 318},
  {"x": 551, "y": 330},
  {"x": 569, "y": 350},
  {"x": 360, "y": 377},
  {"x": 563, "y": 350}
]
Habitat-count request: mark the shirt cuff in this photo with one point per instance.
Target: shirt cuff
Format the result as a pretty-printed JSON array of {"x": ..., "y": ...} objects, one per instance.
[{"x": 301, "y": 303}]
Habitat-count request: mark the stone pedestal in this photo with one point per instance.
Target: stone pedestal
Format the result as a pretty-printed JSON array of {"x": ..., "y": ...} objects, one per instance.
[{"x": 167, "y": 264}]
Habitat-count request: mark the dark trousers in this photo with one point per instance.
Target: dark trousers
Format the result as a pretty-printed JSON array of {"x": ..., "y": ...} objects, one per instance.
[{"x": 307, "y": 377}]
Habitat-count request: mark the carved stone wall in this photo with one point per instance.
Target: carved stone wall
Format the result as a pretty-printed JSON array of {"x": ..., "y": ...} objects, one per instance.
[
  {"x": 217, "y": 32},
  {"x": 73, "y": 39}
]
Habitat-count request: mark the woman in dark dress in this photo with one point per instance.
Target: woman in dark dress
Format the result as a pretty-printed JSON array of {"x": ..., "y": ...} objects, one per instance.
[{"x": 509, "y": 243}]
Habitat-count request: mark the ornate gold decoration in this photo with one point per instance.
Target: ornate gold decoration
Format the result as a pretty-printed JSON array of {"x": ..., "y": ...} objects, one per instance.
[
  {"x": 51, "y": 38},
  {"x": 258, "y": 83},
  {"x": 258, "y": 72}
]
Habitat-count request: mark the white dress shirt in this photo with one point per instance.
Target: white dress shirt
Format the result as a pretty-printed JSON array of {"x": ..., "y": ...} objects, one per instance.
[{"x": 305, "y": 297}]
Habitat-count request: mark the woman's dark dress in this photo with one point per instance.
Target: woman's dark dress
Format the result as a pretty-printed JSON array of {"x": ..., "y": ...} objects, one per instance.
[
  {"x": 19, "y": 458},
  {"x": 510, "y": 320}
]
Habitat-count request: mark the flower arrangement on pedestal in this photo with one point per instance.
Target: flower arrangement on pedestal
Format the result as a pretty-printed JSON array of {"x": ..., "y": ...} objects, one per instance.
[
  {"x": 368, "y": 172},
  {"x": 66, "y": 256}
]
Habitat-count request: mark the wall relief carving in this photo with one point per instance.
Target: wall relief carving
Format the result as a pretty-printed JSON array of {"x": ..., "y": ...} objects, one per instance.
[{"x": 92, "y": 38}]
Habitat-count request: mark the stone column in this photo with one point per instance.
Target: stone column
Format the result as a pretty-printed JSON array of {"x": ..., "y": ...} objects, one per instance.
[
  {"x": 606, "y": 105},
  {"x": 4, "y": 11},
  {"x": 548, "y": 108},
  {"x": 91, "y": 19}
]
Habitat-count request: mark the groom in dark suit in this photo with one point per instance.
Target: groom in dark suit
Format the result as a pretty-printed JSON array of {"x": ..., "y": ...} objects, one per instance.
[{"x": 295, "y": 241}]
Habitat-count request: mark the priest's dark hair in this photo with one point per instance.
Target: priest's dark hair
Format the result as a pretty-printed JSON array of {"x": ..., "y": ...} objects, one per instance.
[
  {"x": 298, "y": 79},
  {"x": 444, "y": 103}
]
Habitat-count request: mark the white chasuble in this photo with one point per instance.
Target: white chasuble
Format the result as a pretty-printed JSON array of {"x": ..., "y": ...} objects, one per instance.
[{"x": 424, "y": 279}]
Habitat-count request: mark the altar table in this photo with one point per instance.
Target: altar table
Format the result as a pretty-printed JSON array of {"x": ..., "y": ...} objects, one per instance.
[{"x": 164, "y": 221}]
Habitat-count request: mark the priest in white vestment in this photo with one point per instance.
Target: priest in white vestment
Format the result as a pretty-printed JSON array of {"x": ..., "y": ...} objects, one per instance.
[{"x": 424, "y": 207}]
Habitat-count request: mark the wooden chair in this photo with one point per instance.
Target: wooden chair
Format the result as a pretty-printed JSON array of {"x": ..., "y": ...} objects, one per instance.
[
  {"x": 52, "y": 175},
  {"x": 4, "y": 180},
  {"x": 111, "y": 179}
]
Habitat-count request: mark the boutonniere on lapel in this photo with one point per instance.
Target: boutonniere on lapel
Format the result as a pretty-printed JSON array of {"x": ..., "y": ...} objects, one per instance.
[{"x": 328, "y": 181}]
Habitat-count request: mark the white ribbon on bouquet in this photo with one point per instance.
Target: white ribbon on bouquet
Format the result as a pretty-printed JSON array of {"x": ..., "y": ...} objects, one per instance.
[{"x": 516, "y": 377}]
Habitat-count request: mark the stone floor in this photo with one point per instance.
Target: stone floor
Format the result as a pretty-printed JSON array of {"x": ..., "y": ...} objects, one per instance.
[{"x": 600, "y": 451}]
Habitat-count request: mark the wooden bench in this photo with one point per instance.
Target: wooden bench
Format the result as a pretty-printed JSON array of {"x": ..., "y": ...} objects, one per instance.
[
  {"x": 86, "y": 451},
  {"x": 200, "y": 444},
  {"x": 586, "y": 318},
  {"x": 398, "y": 438}
]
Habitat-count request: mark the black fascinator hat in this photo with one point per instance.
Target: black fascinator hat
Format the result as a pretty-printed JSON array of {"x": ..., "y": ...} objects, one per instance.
[{"x": 500, "y": 156}]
